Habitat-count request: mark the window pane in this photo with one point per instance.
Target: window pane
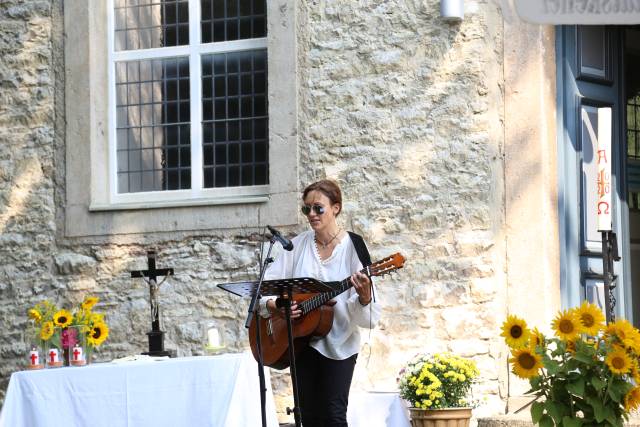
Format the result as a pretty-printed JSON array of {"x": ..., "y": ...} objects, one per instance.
[
  {"x": 153, "y": 125},
  {"x": 146, "y": 25},
  {"x": 153, "y": 99},
  {"x": 592, "y": 47},
  {"x": 235, "y": 118},
  {"x": 224, "y": 20},
  {"x": 633, "y": 131}
]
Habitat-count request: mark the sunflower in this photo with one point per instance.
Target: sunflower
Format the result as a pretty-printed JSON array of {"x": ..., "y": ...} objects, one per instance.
[
  {"x": 89, "y": 302},
  {"x": 620, "y": 329},
  {"x": 47, "y": 330},
  {"x": 618, "y": 361},
  {"x": 515, "y": 332},
  {"x": 35, "y": 315},
  {"x": 62, "y": 318},
  {"x": 526, "y": 362},
  {"x": 537, "y": 339},
  {"x": 633, "y": 343},
  {"x": 590, "y": 317},
  {"x": 635, "y": 372},
  {"x": 567, "y": 325},
  {"x": 96, "y": 318},
  {"x": 97, "y": 334},
  {"x": 632, "y": 399}
]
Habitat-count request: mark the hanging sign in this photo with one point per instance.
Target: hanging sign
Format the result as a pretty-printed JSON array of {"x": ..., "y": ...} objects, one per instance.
[
  {"x": 578, "y": 12},
  {"x": 603, "y": 160}
]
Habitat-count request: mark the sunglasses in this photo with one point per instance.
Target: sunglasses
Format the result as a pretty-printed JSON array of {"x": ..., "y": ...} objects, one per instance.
[{"x": 306, "y": 209}]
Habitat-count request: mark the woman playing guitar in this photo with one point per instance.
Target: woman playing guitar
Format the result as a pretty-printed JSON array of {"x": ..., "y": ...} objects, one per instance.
[{"x": 327, "y": 253}]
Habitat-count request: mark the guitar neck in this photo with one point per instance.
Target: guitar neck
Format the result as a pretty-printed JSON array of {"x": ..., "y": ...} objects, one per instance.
[{"x": 318, "y": 300}]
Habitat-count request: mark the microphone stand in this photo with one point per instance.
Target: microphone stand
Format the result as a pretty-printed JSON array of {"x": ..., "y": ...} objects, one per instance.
[
  {"x": 286, "y": 302},
  {"x": 253, "y": 311}
]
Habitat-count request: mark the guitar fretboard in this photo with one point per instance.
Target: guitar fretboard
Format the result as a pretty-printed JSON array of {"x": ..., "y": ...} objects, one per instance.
[{"x": 318, "y": 300}]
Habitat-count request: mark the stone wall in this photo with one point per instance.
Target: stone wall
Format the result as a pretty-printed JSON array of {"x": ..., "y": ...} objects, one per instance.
[
  {"x": 27, "y": 169},
  {"x": 403, "y": 109}
]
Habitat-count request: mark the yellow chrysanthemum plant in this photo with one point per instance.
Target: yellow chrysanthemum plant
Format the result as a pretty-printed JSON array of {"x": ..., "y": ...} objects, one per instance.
[
  {"x": 437, "y": 381},
  {"x": 587, "y": 374},
  {"x": 63, "y": 329}
]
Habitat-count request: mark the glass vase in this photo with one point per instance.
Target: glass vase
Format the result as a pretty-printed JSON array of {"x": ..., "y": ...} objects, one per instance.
[
  {"x": 73, "y": 339},
  {"x": 53, "y": 356},
  {"x": 214, "y": 340},
  {"x": 78, "y": 354},
  {"x": 34, "y": 348}
]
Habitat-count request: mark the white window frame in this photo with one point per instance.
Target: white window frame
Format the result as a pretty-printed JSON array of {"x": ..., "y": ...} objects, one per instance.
[
  {"x": 89, "y": 213},
  {"x": 194, "y": 51}
]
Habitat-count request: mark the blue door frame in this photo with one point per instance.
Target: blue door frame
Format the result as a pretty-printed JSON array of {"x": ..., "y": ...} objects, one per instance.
[{"x": 580, "y": 90}]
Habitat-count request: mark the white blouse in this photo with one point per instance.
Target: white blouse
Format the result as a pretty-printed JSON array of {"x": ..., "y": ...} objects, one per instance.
[{"x": 343, "y": 340}]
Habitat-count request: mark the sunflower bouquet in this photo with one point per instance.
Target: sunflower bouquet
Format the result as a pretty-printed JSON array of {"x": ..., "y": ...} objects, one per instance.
[
  {"x": 442, "y": 380},
  {"x": 587, "y": 374},
  {"x": 63, "y": 329}
]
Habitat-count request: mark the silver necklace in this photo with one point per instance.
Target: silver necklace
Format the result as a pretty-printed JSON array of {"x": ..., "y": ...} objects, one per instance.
[{"x": 325, "y": 244}]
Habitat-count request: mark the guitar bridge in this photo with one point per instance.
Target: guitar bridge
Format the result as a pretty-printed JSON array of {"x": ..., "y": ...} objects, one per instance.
[{"x": 269, "y": 327}]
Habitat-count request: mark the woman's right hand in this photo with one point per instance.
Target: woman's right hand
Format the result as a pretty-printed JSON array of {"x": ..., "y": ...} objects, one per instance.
[{"x": 296, "y": 312}]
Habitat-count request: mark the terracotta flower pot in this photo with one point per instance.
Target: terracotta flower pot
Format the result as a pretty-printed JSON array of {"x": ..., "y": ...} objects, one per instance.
[{"x": 448, "y": 417}]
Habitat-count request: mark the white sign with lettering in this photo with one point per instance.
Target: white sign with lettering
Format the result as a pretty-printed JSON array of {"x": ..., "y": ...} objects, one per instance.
[{"x": 580, "y": 12}]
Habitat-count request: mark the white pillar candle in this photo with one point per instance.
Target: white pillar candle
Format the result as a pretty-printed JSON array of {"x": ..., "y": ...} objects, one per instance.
[
  {"x": 53, "y": 356},
  {"x": 34, "y": 357},
  {"x": 603, "y": 160},
  {"x": 76, "y": 354},
  {"x": 213, "y": 337}
]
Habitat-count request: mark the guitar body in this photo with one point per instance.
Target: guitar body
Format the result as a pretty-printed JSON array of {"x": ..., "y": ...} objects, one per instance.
[
  {"x": 274, "y": 338},
  {"x": 316, "y": 321}
]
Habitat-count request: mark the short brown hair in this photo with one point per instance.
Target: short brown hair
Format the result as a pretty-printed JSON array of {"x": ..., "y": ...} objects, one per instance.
[{"x": 329, "y": 188}]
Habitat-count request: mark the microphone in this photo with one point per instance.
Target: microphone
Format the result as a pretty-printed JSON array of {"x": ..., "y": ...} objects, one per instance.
[{"x": 286, "y": 243}]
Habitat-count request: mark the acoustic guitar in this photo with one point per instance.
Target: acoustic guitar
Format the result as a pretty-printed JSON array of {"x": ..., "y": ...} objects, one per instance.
[{"x": 316, "y": 319}]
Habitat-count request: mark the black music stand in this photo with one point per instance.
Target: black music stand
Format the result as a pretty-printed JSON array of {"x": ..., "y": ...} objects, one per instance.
[{"x": 284, "y": 289}]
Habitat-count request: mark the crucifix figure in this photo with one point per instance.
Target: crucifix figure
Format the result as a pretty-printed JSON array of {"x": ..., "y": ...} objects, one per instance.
[{"x": 156, "y": 336}]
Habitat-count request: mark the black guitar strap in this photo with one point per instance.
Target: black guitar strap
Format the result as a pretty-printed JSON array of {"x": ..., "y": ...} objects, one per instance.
[{"x": 362, "y": 251}]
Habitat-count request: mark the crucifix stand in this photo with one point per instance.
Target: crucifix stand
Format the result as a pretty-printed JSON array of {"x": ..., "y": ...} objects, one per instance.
[
  {"x": 156, "y": 336},
  {"x": 609, "y": 255}
]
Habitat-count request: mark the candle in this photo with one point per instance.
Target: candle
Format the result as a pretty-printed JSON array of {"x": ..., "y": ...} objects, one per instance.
[
  {"x": 77, "y": 354},
  {"x": 603, "y": 161},
  {"x": 34, "y": 357},
  {"x": 53, "y": 355},
  {"x": 214, "y": 337}
]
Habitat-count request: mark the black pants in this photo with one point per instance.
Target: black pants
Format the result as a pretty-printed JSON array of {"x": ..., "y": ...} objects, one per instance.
[{"x": 323, "y": 388}]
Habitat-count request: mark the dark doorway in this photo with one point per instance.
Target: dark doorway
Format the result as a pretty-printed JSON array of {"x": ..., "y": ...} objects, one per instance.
[{"x": 632, "y": 125}]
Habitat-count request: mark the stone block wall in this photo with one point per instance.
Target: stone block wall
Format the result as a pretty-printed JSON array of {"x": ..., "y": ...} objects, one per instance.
[
  {"x": 402, "y": 108},
  {"x": 28, "y": 202},
  {"x": 405, "y": 110}
]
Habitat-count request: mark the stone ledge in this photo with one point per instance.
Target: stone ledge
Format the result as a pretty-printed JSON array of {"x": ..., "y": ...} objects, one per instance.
[
  {"x": 524, "y": 421},
  {"x": 503, "y": 422}
]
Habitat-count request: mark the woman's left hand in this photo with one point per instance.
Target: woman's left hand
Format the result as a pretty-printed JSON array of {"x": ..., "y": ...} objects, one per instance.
[{"x": 362, "y": 285}]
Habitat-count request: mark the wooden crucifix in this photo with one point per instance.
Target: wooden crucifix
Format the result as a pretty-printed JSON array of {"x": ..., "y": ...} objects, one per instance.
[{"x": 156, "y": 336}]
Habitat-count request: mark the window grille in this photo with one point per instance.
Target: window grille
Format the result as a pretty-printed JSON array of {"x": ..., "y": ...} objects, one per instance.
[
  {"x": 189, "y": 100},
  {"x": 633, "y": 147}
]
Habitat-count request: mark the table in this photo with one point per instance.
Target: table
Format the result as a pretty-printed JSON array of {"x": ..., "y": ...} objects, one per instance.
[
  {"x": 205, "y": 391},
  {"x": 377, "y": 409}
]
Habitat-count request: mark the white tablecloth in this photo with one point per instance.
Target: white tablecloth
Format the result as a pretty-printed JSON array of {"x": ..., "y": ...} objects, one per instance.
[
  {"x": 191, "y": 392},
  {"x": 377, "y": 409}
]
